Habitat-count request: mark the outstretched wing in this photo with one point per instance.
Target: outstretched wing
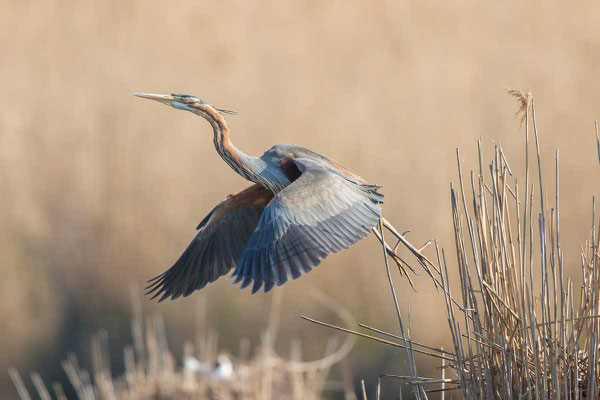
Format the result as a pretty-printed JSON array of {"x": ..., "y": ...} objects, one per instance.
[
  {"x": 320, "y": 213},
  {"x": 220, "y": 242}
]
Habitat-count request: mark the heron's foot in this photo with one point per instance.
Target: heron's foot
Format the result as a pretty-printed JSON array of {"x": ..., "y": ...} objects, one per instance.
[
  {"x": 402, "y": 265},
  {"x": 427, "y": 243}
]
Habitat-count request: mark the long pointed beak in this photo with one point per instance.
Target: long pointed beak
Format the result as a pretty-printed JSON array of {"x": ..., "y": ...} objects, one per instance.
[{"x": 163, "y": 98}]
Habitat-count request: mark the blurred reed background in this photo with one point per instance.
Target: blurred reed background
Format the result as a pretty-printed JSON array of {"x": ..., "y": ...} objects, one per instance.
[{"x": 101, "y": 190}]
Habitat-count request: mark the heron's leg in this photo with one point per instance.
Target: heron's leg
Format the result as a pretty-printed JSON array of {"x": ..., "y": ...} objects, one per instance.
[{"x": 424, "y": 261}]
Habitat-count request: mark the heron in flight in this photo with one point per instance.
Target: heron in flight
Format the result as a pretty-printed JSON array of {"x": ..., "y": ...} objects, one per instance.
[{"x": 302, "y": 207}]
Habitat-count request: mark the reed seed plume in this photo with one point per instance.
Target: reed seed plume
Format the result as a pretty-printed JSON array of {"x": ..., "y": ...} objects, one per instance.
[{"x": 525, "y": 101}]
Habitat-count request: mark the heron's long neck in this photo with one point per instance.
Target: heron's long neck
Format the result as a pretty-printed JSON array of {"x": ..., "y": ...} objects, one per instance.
[
  {"x": 251, "y": 168},
  {"x": 247, "y": 166}
]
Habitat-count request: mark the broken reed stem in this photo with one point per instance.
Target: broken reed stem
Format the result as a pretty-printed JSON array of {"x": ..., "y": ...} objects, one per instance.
[
  {"x": 441, "y": 350},
  {"x": 375, "y": 338}
]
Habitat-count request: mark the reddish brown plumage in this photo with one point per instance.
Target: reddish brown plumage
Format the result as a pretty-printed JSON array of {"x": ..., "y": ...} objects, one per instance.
[
  {"x": 252, "y": 196},
  {"x": 222, "y": 141},
  {"x": 346, "y": 172}
]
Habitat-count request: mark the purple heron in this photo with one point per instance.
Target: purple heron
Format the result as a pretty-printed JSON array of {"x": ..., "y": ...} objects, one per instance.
[{"x": 302, "y": 207}]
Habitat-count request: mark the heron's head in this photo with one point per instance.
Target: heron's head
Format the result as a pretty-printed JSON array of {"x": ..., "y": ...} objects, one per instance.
[{"x": 183, "y": 102}]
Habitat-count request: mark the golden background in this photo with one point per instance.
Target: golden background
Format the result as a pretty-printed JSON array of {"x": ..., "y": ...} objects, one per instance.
[{"x": 101, "y": 190}]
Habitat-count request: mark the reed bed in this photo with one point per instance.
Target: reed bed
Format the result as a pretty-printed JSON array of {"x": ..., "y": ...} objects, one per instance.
[
  {"x": 520, "y": 328},
  {"x": 152, "y": 372}
]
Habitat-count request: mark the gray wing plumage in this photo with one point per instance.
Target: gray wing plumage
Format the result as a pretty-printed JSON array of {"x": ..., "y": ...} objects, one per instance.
[
  {"x": 320, "y": 213},
  {"x": 220, "y": 242}
]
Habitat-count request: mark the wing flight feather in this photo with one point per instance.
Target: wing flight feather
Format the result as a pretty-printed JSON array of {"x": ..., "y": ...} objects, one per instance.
[
  {"x": 320, "y": 213},
  {"x": 221, "y": 239}
]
